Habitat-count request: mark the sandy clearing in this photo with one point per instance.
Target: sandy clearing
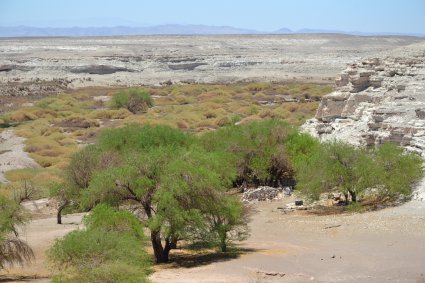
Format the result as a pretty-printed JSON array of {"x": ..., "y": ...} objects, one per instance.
[
  {"x": 40, "y": 234},
  {"x": 381, "y": 246}
]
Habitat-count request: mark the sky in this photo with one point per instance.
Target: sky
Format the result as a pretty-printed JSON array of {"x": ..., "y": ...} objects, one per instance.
[{"x": 396, "y": 16}]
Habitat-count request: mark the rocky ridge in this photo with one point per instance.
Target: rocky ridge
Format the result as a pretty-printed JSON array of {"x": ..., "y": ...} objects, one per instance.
[
  {"x": 376, "y": 100},
  {"x": 44, "y": 66}
]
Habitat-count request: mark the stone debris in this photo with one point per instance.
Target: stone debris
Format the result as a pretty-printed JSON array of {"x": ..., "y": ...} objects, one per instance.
[
  {"x": 292, "y": 207},
  {"x": 264, "y": 193},
  {"x": 270, "y": 273}
]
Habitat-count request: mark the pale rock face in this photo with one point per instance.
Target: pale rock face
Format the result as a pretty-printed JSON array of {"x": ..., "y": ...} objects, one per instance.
[{"x": 377, "y": 100}]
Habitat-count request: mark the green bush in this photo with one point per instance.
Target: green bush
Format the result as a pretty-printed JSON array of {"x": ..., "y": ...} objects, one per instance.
[
  {"x": 135, "y": 100},
  {"x": 110, "y": 249},
  {"x": 258, "y": 151},
  {"x": 337, "y": 166}
]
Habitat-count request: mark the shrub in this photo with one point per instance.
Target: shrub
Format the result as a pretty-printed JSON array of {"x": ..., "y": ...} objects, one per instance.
[
  {"x": 78, "y": 122},
  {"x": 337, "y": 166},
  {"x": 111, "y": 114},
  {"x": 110, "y": 249},
  {"x": 135, "y": 100},
  {"x": 258, "y": 86}
]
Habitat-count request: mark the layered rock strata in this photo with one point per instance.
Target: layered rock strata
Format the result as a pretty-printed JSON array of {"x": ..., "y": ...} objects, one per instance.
[{"x": 376, "y": 100}]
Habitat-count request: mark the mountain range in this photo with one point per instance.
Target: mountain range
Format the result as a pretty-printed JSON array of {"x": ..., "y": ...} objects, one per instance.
[{"x": 170, "y": 29}]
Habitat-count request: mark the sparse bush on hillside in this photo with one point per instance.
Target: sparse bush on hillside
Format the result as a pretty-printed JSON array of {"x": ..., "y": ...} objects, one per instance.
[{"x": 135, "y": 100}]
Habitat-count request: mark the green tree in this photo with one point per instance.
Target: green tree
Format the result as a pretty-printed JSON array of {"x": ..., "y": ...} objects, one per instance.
[
  {"x": 167, "y": 174},
  {"x": 109, "y": 249},
  {"x": 337, "y": 166},
  {"x": 12, "y": 249},
  {"x": 258, "y": 149},
  {"x": 399, "y": 169},
  {"x": 227, "y": 220}
]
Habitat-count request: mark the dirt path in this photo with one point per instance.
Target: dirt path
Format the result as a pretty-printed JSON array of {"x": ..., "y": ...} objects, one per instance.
[
  {"x": 12, "y": 154},
  {"x": 382, "y": 246},
  {"x": 40, "y": 234}
]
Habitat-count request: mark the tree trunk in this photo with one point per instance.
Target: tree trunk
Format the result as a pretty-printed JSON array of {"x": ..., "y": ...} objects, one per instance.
[
  {"x": 59, "y": 214},
  {"x": 223, "y": 238},
  {"x": 167, "y": 249},
  {"x": 161, "y": 254}
]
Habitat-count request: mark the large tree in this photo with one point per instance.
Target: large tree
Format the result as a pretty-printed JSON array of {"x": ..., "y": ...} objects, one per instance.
[{"x": 168, "y": 175}]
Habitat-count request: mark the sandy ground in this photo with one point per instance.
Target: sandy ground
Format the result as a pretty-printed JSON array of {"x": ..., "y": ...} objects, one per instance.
[
  {"x": 381, "y": 246},
  {"x": 12, "y": 154},
  {"x": 40, "y": 234}
]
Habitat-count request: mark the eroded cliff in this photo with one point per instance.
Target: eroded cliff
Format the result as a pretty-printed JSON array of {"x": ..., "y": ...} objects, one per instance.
[{"x": 377, "y": 100}]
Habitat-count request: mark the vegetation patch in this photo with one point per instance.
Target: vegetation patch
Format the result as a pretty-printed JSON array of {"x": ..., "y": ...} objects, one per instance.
[
  {"x": 111, "y": 248},
  {"x": 381, "y": 172},
  {"x": 134, "y": 100}
]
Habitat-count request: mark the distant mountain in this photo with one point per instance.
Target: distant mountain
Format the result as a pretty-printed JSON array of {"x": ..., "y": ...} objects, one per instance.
[
  {"x": 283, "y": 31},
  {"x": 329, "y": 31},
  {"x": 308, "y": 30},
  {"x": 23, "y": 31},
  {"x": 171, "y": 29}
]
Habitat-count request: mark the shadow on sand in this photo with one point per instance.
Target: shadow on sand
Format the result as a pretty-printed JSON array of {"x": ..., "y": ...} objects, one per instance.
[
  {"x": 29, "y": 278},
  {"x": 188, "y": 260}
]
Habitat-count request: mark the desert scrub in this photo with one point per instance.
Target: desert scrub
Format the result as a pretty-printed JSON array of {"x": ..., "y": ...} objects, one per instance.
[
  {"x": 135, "y": 100},
  {"x": 258, "y": 86},
  {"x": 110, "y": 114},
  {"x": 78, "y": 122}
]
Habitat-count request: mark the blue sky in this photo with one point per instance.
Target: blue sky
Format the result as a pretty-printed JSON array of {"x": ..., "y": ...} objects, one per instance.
[{"x": 398, "y": 16}]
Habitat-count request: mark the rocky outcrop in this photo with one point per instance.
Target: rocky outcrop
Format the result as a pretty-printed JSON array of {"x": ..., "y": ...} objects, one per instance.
[{"x": 376, "y": 100}]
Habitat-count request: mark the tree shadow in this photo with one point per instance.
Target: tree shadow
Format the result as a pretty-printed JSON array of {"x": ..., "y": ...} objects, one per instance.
[
  {"x": 20, "y": 278},
  {"x": 182, "y": 258}
]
